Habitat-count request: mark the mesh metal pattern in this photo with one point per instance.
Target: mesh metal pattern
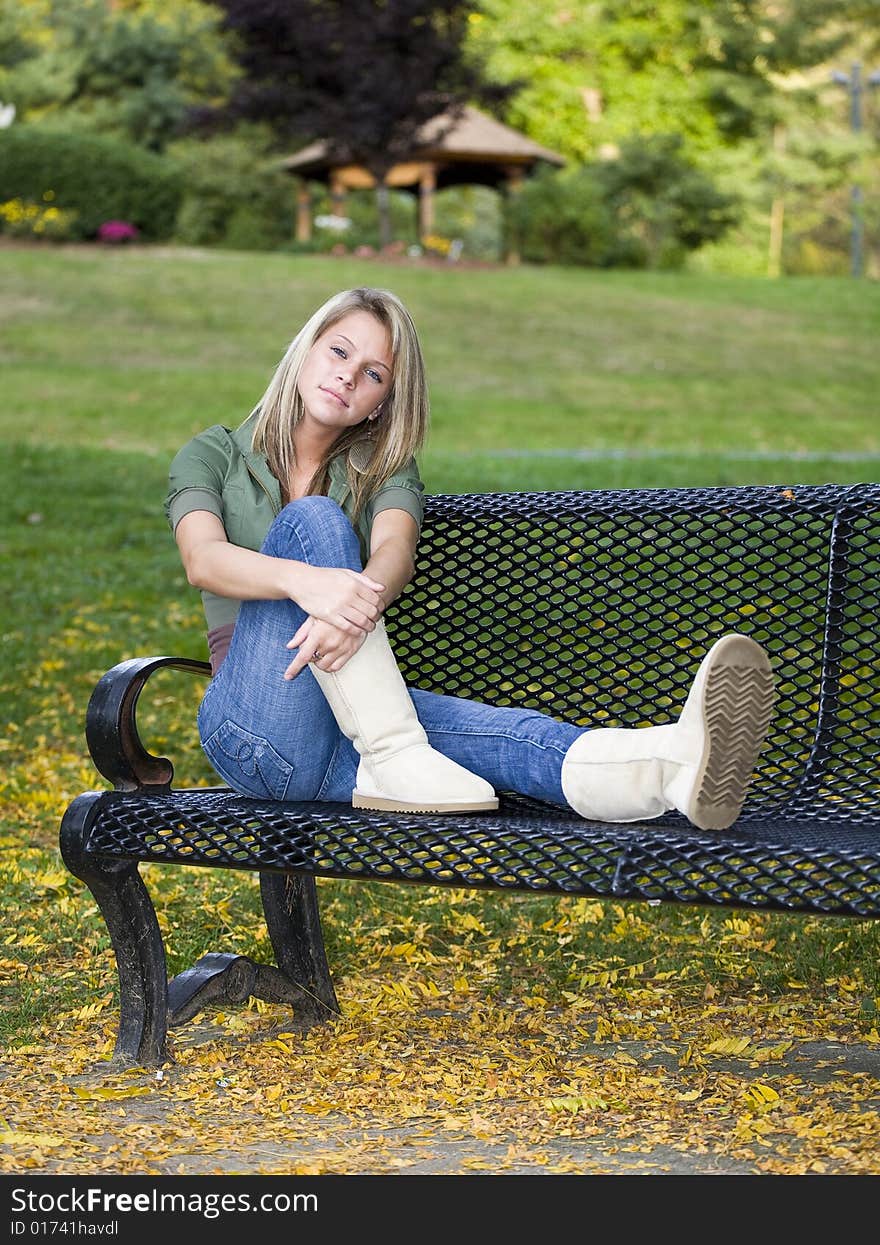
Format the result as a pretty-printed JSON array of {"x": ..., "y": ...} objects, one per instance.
[
  {"x": 597, "y": 608},
  {"x": 525, "y": 846}
]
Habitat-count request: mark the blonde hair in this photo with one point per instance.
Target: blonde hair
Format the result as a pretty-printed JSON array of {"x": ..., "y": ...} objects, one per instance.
[{"x": 385, "y": 445}]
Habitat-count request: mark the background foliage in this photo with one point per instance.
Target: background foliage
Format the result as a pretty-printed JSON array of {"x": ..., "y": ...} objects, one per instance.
[
  {"x": 96, "y": 178},
  {"x": 744, "y": 86},
  {"x": 233, "y": 195}
]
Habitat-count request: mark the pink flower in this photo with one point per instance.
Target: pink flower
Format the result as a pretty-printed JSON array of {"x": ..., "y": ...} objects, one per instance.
[{"x": 117, "y": 231}]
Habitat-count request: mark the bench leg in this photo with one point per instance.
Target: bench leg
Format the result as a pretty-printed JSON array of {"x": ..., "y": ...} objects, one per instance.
[
  {"x": 290, "y": 905},
  {"x": 148, "y": 1003},
  {"x": 128, "y": 911}
]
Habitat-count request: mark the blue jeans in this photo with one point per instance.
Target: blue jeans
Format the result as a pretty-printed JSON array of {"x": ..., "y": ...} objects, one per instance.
[{"x": 277, "y": 739}]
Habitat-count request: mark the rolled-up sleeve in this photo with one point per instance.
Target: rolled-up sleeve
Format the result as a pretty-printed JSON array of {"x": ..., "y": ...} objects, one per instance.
[
  {"x": 196, "y": 476},
  {"x": 402, "y": 491}
]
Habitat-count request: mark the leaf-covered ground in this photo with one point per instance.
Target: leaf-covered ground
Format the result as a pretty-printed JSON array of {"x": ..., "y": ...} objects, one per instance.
[
  {"x": 399, "y": 1085},
  {"x": 569, "y": 1060}
]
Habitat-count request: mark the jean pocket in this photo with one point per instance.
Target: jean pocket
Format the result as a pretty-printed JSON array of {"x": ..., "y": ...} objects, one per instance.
[{"x": 248, "y": 762}]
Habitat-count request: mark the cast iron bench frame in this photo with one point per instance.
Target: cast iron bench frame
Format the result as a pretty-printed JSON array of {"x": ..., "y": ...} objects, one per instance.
[{"x": 543, "y": 600}]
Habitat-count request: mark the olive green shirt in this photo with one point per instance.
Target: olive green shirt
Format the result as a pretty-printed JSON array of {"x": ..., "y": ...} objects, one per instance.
[{"x": 218, "y": 471}]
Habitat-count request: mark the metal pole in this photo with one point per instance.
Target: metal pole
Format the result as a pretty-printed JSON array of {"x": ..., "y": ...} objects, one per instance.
[
  {"x": 853, "y": 82},
  {"x": 855, "y": 94}
]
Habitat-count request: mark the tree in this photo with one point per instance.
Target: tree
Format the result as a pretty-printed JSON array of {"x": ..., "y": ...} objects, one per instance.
[
  {"x": 765, "y": 69},
  {"x": 363, "y": 76},
  {"x": 745, "y": 47},
  {"x": 130, "y": 71},
  {"x": 593, "y": 73},
  {"x": 664, "y": 205}
]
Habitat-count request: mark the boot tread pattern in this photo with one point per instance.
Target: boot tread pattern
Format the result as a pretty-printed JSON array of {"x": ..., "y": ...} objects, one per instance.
[{"x": 738, "y": 707}]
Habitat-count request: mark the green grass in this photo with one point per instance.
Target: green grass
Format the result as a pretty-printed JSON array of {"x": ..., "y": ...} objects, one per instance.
[
  {"x": 540, "y": 379},
  {"x": 137, "y": 349}
]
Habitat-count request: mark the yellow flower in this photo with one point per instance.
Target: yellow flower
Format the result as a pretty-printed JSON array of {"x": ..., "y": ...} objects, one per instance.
[{"x": 32, "y": 218}]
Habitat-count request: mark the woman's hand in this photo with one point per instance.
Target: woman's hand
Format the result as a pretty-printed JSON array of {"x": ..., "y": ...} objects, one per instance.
[
  {"x": 348, "y": 600},
  {"x": 323, "y": 645}
]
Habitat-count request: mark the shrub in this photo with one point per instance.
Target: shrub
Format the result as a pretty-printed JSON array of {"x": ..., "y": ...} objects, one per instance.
[
  {"x": 561, "y": 218},
  {"x": 98, "y": 179},
  {"x": 235, "y": 195},
  {"x": 663, "y": 205},
  {"x": 647, "y": 208}
]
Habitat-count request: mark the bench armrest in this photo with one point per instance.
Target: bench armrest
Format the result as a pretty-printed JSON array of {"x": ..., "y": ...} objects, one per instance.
[{"x": 111, "y": 725}]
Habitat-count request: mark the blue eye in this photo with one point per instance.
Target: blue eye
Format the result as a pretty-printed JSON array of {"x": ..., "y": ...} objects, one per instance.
[
  {"x": 376, "y": 377},
  {"x": 338, "y": 350}
]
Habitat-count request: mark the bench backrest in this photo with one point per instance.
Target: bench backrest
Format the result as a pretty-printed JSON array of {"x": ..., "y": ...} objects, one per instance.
[{"x": 597, "y": 607}]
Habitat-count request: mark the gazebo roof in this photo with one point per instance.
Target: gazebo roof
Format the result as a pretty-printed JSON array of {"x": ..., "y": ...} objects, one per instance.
[
  {"x": 473, "y": 148},
  {"x": 479, "y": 135}
]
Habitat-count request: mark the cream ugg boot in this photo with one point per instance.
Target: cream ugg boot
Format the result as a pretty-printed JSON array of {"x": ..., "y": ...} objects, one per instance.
[
  {"x": 700, "y": 765},
  {"x": 399, "y": 771}
]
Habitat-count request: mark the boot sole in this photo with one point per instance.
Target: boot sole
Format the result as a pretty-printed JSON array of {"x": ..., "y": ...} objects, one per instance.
[
  {"x": 738, "y": 700},
  {"x": 383, "y": 805}
]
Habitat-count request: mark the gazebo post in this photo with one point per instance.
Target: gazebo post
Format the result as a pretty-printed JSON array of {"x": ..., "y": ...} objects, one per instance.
[
  {"x": 337, "y": 195},
  {"x": 303, "y": 212},
  {"x": 427, "y": 186},
  {"x": 512, "y": 185}
]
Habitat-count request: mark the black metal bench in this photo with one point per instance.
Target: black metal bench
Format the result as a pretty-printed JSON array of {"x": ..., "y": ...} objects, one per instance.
[{"x": 596, "y": 607}]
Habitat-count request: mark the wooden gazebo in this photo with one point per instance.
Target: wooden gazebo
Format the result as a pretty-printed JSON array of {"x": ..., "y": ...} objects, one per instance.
[{"x": 474, "y": 149}]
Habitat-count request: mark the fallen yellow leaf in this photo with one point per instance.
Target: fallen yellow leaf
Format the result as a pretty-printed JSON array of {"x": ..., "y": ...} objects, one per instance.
[
  {"x": 134, "y": 1091},
  {"x": 728, "y": 1046},
  {"x": 761, "y": 1095},
  {"x": 37, "y": 1141}
]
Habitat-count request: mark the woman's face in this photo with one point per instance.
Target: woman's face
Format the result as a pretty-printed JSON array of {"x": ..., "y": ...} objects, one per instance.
[{"x": 347, "y": 372}]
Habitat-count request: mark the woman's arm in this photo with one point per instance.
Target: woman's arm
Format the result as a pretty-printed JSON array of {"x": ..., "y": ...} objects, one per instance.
[
  {"x": 349, "y": 600},
  {"x": 393, "y": 540},
  {"x": 392, "y": 561}
]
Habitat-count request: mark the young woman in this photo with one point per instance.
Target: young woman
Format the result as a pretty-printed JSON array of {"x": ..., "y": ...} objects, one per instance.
[{"x": 300, "y": 528}]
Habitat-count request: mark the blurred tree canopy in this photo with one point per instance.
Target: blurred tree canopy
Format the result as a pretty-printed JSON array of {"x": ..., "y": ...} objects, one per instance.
[
  {"x": 707, "y": 69},
  {"x": 130, "y": 69},
  {"x": 745, "y": 84}
]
